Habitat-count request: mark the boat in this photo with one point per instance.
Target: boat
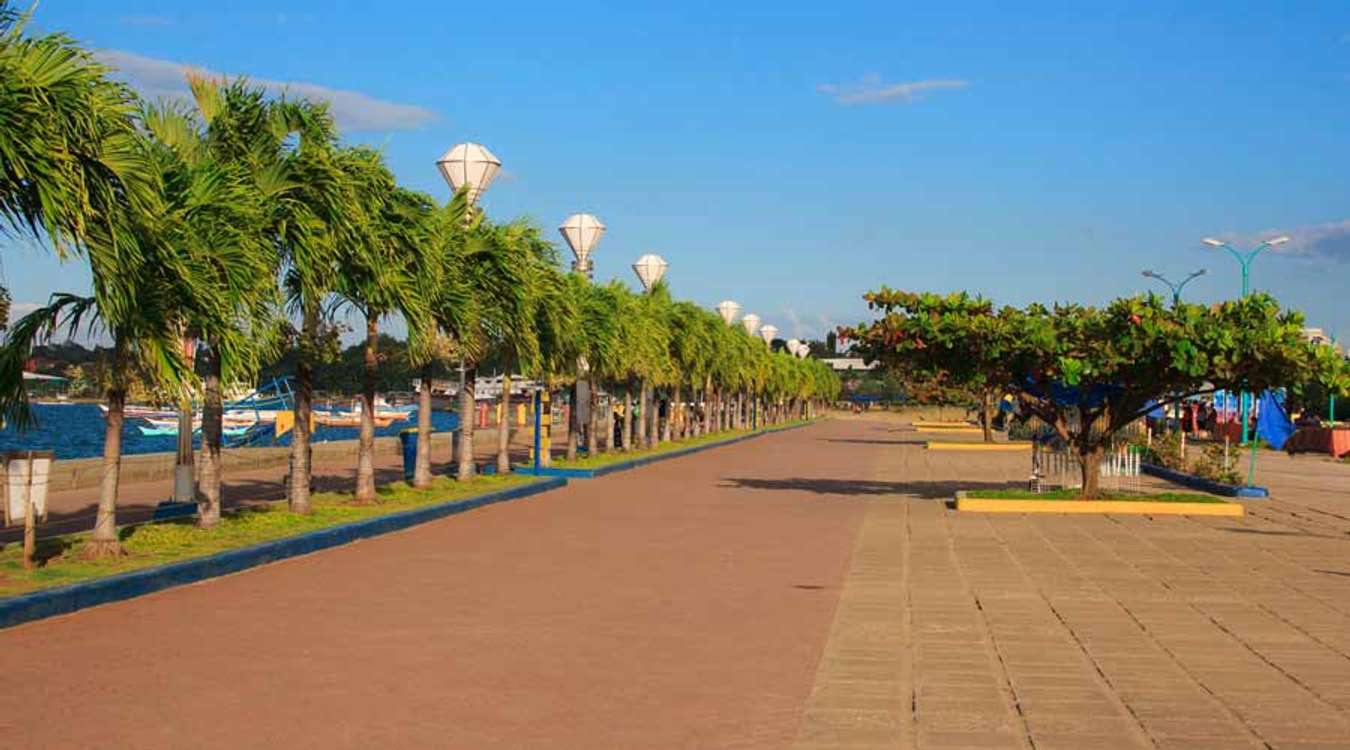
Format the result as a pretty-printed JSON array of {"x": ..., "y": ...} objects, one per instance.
[{"x": 156, "y": 429}]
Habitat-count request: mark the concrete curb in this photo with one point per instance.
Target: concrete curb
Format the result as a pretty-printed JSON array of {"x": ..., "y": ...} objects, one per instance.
[
  {"x": 1115, "y": 507},
  {"x": 938, "y": 445},
  {"x": 600, "y": 471},
  {"x": 77, "y": 596},
  {"x": 1205, "y": 485}
]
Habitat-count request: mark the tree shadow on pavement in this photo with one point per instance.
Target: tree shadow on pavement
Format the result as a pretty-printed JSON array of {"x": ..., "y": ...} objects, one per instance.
[
  {"x": 873, "y": 441},
  {"x": 925, "y": 490}
]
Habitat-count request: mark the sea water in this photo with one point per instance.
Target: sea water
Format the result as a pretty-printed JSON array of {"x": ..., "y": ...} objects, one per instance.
[{"x": 76, "y": 431}]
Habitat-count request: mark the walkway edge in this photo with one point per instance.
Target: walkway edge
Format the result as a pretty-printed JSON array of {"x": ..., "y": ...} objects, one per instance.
[
  {"x": 1206, "y": 485},
  {"x": 67, "y": 599},
  {"x": 633, "y": 463}
]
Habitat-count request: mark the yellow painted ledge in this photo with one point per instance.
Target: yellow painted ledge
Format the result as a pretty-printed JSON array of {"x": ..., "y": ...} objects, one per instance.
[
  {"x": 942, "y": 425},
  {"x": 984, "y": 505},
  {"x": 938, "y": 445},
  {"x": 951, "y": 430}
]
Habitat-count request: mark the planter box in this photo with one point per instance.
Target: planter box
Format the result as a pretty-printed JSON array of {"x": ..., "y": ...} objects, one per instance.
[{"x": 1136, "y": 507}]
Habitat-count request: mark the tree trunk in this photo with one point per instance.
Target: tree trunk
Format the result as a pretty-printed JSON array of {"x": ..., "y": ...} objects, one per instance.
[
  {"x": 653, "y": 417},
  {"x": 422, "y": 466},
  {"x": 608, "y": 422},
  {"x": 213, "y": 407},
  {"x": 466, "y": 416},
  {"x": 1090, "y": 459},
  {"x": 573, "y": 422},
  {"x": 673, "y": 421},
  {"x": 592, "y": 418},
  {"x": 626, "y": 428},
  {"x": 986, "y": 415},
  {"x": 297, "y": 498},
  {"x": 104, "y": 541},
  {"x": 504, "y": 425},
  {"x": 365, "y": 453},
  {"x": 640, "y": 428}
]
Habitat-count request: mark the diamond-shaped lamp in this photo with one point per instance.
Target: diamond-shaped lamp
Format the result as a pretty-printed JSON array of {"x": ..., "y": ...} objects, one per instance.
[
  {"x": 583, "y": 233},
  {"x": 469, "y": 165},
  {"x": 728, "y": 310},
  {"x": 767, "y": 333},
  {"x": 803, "y": 349},
  {"x": 792, "y": 345},
  {"x": 751, "y": 323},
  {"x": 649, "y": 269}
]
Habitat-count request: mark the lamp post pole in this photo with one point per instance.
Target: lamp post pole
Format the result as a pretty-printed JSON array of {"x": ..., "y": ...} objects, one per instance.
[
  {"x": 1245, "y": 259},
  {"x": 471, "y": 167},
  {"x": 1175, "y": 287},
  {"x": 650, "y": 268}
]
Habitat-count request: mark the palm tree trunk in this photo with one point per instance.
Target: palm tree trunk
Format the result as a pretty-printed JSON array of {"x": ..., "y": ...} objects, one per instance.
[
  {"x": 365, "y": 455},
  {"x": 104, "y": 541},
  {"x": 640, "y": 439},
  {"x": 593, "y": 419},
  {"x": 422, "y": 466},
  {"x": 466, "y": 415},
  {"x": 208, "y": 504},
  {"x": 573, "y": 422},
  {"x": 673, "y": 415},
  {"x": 297, "y": 498},
  {"x": 626, "y": 429},
  {"x": 649, "y": 415},
  {"x": 504, "y": 425}
]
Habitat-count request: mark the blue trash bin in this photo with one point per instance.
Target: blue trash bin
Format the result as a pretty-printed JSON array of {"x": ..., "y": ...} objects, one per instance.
[{"x": 409, "y": 440}]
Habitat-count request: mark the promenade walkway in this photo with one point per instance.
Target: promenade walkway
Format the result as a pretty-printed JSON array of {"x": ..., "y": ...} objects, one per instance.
[{"x": 809, "y": 589}]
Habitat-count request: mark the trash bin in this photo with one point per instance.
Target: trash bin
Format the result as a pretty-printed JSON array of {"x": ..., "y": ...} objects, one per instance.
[{"x": 409, "y": 440}]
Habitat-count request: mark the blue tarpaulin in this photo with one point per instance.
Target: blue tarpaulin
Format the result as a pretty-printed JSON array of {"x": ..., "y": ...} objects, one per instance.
[{"x": 1272, "y": 422}]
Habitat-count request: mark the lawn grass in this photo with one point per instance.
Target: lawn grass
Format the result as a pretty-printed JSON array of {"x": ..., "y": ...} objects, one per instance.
[
  {"x": 1062, "y": 495},
  {"x": 152, "y": 544},
  {"x": 617, "y": 456}
]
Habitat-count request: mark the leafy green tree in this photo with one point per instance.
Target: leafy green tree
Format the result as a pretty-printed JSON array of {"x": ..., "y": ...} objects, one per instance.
[{"x": 1088, "y": 372}]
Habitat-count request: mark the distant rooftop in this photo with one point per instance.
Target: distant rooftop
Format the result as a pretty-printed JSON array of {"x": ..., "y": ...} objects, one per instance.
[{"x": 848, "y": 363}]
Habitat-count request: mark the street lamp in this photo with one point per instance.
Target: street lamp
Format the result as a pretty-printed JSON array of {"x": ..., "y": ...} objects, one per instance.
[
  {"x": 751, "y": 323},
  {"x": 649, "y": 269},
  {"x": 583, "y": 233},
  {"x": 1245, "y": 260},
  {"x": 728, "y": 310},
  {"x": 767, "y": 333},
  {"x": 792, "y": 345},
  {"x": 1176, "y": 288},
  {"x": 472, "y": 167},
  {"x": 469, "y": 165}
]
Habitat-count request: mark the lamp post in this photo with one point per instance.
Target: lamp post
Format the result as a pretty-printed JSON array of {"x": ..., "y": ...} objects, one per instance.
[
  {"x": 728, "y": 310},
  {"x": 1175, "y": 287},
  {"x": 582, "y": 233},
  {"x": 751, "y": 323},
  {"x": 472, "y": 167},
  {"x": 767, "y": 333},
  {"x": 1245, "y": 260},
  {"x": 650, "y": 268}
]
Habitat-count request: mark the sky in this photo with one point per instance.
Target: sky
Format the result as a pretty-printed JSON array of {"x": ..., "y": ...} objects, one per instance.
[{"x": 792, "y": 158}]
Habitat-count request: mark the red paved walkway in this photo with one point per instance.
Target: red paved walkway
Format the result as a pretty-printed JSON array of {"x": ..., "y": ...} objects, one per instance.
[{"x": 660, "y": 608}]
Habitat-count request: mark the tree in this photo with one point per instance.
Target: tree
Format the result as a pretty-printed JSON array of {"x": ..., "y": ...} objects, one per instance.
[
  {"x": 377, "y": 276},
  {"x": 1089, "y": 372}
]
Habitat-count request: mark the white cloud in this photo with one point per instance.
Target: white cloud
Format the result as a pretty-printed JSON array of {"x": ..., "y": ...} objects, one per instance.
[
  {"x": 19, "y": 309},
  {"x": 353, "y": 111},
  {"x": 872, "y": 90}
]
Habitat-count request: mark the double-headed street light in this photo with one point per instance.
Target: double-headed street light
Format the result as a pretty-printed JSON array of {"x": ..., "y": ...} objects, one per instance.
[
  {"x": 1175, "y": 287},
  {"x": 1245, "y": 260}
]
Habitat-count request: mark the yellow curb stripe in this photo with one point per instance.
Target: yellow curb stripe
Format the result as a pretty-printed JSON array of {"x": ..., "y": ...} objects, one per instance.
[
  {"x": 939, "y": 425},
  {"x": 987, "y": 505},
  {"x": 951, "y": 430},
  {"x": 938, "y": 445}
]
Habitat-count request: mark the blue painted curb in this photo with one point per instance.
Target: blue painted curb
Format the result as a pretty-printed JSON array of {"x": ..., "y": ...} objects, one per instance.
[
  {"x": 600, "y": 471},
  {"x": 1206, "y": 485},
  {"x": 77, "y": 596}
]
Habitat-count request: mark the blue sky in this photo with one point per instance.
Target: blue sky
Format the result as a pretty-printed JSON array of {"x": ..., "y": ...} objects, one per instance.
[{"x": 792, "y": 158}]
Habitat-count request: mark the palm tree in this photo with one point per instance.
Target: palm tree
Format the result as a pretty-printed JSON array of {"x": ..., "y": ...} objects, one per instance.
[
  {"x": 69, "y": 153},
  {"x": 377, "y": 277},
  {"x": 237, "y": 259}
]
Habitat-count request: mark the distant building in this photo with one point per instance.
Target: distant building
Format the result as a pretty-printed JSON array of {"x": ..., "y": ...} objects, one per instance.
[
  {"x": 1319, "y": 336},
  {"x": 845, "y": 364}
]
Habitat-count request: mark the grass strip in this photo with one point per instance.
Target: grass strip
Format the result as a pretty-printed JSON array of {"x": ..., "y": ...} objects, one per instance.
[
  {"x": 1063, "y": 495},
  {"x": 171, "y": 541}
]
